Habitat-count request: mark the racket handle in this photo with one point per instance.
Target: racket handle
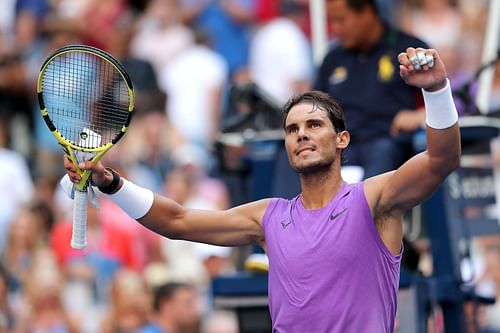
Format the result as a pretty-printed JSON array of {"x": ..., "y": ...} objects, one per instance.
[{"x": 79, "y": 235}]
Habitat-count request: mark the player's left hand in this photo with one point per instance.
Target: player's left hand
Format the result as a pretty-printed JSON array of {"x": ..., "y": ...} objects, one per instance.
[{"x": 422, "y": 68}]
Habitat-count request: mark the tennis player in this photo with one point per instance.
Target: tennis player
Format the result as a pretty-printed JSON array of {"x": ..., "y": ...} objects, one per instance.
[{"x": 335, "y": 249}]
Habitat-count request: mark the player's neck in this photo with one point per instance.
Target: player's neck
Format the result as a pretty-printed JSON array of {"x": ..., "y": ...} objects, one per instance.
[{"x": 319, "y": 189}]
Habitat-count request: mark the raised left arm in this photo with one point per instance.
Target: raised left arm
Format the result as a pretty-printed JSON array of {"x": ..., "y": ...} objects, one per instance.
[{"x": 415, "y": 180}]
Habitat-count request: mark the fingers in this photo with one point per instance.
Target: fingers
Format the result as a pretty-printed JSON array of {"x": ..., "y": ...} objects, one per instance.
[
  {"x": 71, "y": 167},
  {"x": 418, "y": 59},
  {"x": 71, "y": 170},
  {"x": 87, "y": 165},
  {"x": 68, "y": 165},
  {"x": 429, "y": 58},
  {"x": 415, "y": 57},
  {"x": 74, "y": 172}
]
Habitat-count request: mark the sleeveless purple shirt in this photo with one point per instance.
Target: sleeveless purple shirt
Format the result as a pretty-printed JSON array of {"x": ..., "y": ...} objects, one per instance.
[{"x": 329, "y": 270}]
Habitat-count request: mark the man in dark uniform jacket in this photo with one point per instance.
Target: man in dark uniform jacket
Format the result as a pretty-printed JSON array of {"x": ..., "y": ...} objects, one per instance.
[{"x": 361, "y": 72}]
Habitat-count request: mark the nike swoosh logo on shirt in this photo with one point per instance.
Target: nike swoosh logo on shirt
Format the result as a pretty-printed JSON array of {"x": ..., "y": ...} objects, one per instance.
[
  {"x": 334, "y": 216},
  {"x": 285, "y": 224}
]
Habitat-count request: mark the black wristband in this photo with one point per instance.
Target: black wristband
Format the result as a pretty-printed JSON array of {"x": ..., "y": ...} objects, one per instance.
[{"x": 111, "y": 187}]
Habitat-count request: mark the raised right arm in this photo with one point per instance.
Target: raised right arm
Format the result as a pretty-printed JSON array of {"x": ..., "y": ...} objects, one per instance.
[{"x": 237, "y": 226}]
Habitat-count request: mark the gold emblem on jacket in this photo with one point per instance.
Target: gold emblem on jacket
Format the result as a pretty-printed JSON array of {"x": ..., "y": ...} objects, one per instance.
[
  {"x": 339, "y": 74},
  {"x": 385, "y": 69}
]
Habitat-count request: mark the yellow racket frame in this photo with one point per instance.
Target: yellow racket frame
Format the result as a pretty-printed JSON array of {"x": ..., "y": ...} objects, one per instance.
[{"x": 67, "y": 145}]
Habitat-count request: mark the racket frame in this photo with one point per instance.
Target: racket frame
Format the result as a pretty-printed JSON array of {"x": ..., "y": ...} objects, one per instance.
[
  {"x": 78, "y": 240},
  {"x": 67, "y": 145}
]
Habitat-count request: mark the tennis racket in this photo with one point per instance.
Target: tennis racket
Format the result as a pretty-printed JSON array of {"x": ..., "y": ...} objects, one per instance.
[{"x": 86, "y": 99}]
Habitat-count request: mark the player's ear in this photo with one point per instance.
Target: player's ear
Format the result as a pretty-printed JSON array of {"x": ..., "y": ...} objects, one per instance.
[{"x": 343, "y": 139}]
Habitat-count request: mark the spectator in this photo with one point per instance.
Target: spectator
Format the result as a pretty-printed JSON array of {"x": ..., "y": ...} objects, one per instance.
[
  {"x": 44, "y": 311},
  {"x": 216, "y": 261},
  {"x": 181, "y": 257},
  {"x": 193, "y": 83},
  {"x": 160, "y": 35},
  {"x": 16, "y": 186},
  {"x": 488, "y": 282},
  {"x": 271, "y": 66},
  {"x": 149, "y": 149},
  {"x": 228, "y": 26},
  {"x": 108, "y": 249},
  {"x": 29, "y": 23},
  {"x": 25, "y": 235},
  {"x": 175, "y": 309},
  {"x": 280, "y": 76},
  {"x": 141, "y": 71},
  {"x": 101, "y": 20},
  {"x": 361, "y": 72},
  {"x": 440, "y": 24},
  {"x": 130, "y": 304},
  {"x": 142, "y": 243},
  {"x": 437, "y": 22}
]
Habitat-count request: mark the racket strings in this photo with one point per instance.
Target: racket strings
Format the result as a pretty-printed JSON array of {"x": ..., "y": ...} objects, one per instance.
[{"x": 86, "y": 98}]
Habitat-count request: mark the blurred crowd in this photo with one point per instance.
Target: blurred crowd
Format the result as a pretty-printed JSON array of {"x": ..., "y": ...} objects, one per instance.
[{"x": 185, "y": 58}]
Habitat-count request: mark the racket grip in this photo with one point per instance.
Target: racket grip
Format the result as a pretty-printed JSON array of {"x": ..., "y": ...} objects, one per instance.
[{"x": 79, "y": 235}]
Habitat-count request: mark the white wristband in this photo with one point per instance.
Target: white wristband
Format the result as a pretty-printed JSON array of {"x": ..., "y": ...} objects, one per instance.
[
  {"x": 440, "y": 110},
  {"x": 134, "y": 200}
]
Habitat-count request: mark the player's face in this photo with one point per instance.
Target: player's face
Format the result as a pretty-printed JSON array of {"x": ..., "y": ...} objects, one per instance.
[
  {"x": 348, "y": 25},
  {"x": 310, "y": 139}
]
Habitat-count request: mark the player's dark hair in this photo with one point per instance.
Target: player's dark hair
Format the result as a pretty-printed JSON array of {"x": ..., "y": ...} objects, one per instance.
[{"x": 322, "y": 101}]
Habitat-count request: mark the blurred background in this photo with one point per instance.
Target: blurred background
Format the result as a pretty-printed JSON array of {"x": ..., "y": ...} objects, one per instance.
[{"x": 210, "y": 78}]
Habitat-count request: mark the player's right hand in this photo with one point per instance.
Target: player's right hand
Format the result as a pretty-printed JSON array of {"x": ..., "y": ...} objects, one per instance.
[
  {"x": 422, "y": 68},
  {"x": 99, "y": 175}
]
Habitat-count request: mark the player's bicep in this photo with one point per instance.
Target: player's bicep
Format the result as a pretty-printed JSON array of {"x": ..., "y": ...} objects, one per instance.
[
  {"x": 409, "y": 185},
  {"x": 233, "y": 227}
]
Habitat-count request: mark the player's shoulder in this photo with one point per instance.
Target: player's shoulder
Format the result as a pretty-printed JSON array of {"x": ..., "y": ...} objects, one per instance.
[
  {"x": 254, "y": 209},
  {"x": 274, "y": 205}
]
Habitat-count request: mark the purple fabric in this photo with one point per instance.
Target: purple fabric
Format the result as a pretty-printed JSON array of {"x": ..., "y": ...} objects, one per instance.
[{"x": 329, "y": 270}]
